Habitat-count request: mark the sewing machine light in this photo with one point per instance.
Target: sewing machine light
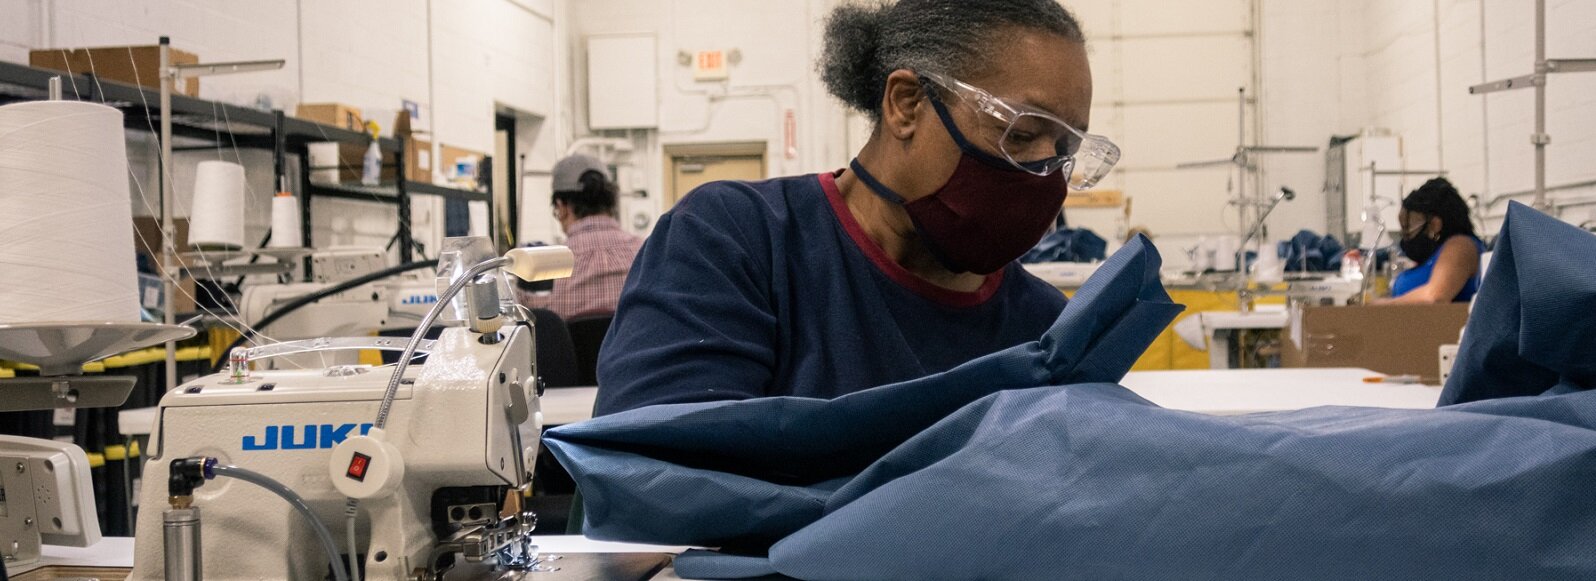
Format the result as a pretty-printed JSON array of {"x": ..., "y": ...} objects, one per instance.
[
  {"x": 535, "y": 263},
  {"x": 366, "y": 466}
]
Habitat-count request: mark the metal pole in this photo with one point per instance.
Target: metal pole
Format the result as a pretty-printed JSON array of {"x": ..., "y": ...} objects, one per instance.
[
  {"x": 1371, "y": 212},
  {"x": 407, "y": 241},
  {"x": 1540, "y": 138},
  {"x": 1243, "y": 304},
  {"x": 168, "y": 231}
]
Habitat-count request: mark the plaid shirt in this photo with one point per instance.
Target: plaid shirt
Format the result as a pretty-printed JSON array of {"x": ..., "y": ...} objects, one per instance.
[{"x": 603, "y": 254}]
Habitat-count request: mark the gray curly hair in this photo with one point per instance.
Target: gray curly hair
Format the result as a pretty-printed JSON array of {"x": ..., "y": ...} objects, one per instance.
[{"x": 866, "y": 42}]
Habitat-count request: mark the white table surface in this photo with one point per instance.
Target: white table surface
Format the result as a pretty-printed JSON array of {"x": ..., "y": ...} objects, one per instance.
[
  {"x": 1240, "y": 391},
  {"x": 109, "y": 552},
  {"x": 118, "y": 552},
  {"x": 567, "y": 405},
  {"x": 1211, "y": 391}
]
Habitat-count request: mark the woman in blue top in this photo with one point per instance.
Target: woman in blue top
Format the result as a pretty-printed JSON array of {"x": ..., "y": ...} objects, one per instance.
[
  {"x": 900, "y": 265},
  {"x": 1438, "y": 235}
]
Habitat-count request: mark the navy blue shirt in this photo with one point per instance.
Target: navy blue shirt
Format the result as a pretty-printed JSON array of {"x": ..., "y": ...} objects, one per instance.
[{"x": 754, "y": 289}]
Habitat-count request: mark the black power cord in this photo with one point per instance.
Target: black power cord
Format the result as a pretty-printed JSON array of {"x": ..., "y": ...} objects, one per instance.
[{"x": 295, "y": 304}]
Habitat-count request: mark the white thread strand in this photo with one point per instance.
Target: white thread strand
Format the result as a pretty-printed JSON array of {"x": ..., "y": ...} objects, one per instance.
[
  {"x": 66, "y": 227},
  {"x": 166, "y": 237}
]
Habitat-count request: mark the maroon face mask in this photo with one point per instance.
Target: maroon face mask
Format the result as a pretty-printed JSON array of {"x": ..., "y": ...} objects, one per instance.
[{"x": 987, "y": 214}]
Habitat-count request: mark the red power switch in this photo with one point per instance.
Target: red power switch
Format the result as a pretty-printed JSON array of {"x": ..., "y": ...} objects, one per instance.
[{"x": 357, "y": 467}]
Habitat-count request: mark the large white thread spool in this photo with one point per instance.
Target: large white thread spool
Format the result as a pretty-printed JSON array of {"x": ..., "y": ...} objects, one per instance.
[
  {"x": 66, "y": 220},
  {"x": 216, "y": 221}
]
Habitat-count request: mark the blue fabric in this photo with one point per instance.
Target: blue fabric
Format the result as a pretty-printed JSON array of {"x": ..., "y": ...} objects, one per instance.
[
  {"x": 1092, "y": 482},
  {"x": 1068, "y": 245},
  {"x": 754, "y": 471},
  {"x": 1077, "y": 478},
  {"x": 1310, "y": 252},
  {"x": 1533, "y": 327},
  {"x": 756, "y": 289},
  {"x": 1420, "y": 275}
]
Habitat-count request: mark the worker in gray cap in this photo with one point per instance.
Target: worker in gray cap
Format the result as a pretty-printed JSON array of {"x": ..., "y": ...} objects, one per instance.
[{"x": 584, "y": 205}]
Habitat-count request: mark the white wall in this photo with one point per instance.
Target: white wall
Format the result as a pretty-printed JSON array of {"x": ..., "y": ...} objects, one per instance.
[
  {"x": 1333, "y": 68},
  {"x": 462, "y": 60},
  {"x": 1406, "y": 66},
  {"x": 779, "y": 43},
  {"x": 1165, "y": 78}
]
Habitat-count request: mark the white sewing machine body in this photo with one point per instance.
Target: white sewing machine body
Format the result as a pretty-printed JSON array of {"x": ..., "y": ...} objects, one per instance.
[{"x": 467, "y": 418}]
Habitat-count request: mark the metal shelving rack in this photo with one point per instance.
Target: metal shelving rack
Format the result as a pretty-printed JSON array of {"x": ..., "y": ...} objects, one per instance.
[
  {"x": 1544, "y": 68},
  {"x": 210, "y": 123}
]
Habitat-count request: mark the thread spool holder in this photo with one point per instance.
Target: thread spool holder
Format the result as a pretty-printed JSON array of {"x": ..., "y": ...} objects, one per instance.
[
  {"x": 170, "y": 74},
  {"x": 211, "y": 264},
  {"x": 61, "y": 348}
]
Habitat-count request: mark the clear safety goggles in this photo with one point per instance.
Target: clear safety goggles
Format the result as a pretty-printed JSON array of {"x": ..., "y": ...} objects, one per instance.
[{"x": 1031, "y": 139}]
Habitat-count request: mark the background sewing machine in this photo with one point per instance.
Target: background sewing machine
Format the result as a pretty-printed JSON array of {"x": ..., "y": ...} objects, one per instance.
[{"x": 395, "y": 304}]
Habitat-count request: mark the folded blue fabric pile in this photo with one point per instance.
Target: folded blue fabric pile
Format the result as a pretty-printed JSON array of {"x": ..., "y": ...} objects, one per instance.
[
  {"x": 1310, "y": 252},
  {"x": 1031, "y": 464},
  {"x": 1068, "y": 245}
]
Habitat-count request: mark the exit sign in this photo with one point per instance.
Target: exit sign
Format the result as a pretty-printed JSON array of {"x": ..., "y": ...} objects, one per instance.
[{"x": 710, "y": 65}]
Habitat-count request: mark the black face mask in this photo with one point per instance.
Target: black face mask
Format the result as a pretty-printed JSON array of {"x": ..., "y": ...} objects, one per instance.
[{"x": 1420, "y": 248}]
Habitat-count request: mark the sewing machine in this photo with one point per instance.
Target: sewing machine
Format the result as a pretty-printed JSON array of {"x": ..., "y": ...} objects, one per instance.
[
  {"x": 445, "y": 479},
  {"x": 46, "y": 497},
  {"x": 395, "y": 304}
]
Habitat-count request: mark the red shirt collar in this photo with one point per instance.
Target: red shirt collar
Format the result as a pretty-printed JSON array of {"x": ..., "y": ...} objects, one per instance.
[{"x": 896, "y": 272}]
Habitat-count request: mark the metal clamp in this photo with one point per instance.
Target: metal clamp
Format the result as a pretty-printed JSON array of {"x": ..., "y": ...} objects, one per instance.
[{"x": 239, "y": 359}]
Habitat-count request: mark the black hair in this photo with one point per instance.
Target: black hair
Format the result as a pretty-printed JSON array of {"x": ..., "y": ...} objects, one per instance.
[
  {"x": 596, "y": 197},
  {"x": 866, "y": 42},
  {"x": 1440, "y": 199}
]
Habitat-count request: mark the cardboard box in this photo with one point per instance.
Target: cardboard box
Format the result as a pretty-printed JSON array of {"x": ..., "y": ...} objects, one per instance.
[
  {"x": 448, "y": 155},
  {"x": 1390, "y": 339},
  {"x": 133, "y": 65},
  {"x": 147, "y": 240},
  {"x": 335, "y": 114},
  {"x": 418, "y": 148},
  {"x": 418, "y": 159}
]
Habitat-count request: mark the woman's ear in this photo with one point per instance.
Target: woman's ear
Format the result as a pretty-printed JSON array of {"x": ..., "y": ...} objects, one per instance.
[
  {"x": 1433, "y": 227},
  {"x": 900, "y": 104}
]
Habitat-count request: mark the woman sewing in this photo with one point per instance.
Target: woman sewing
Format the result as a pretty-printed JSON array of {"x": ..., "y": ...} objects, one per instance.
[
  {"x": 899, "y": 266},
  {"x": 1438, "y": 236}
]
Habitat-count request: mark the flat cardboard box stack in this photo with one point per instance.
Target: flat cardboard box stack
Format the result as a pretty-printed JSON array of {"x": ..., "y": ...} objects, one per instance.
[
  {"x": 335, "y": 114},
  {"x": 1390, "y": 339},
  {"x": 132, "y": 65}
]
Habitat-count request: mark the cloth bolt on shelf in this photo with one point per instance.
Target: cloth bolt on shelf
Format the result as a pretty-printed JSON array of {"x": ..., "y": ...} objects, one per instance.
[{"x": 1029, "y": 464}]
